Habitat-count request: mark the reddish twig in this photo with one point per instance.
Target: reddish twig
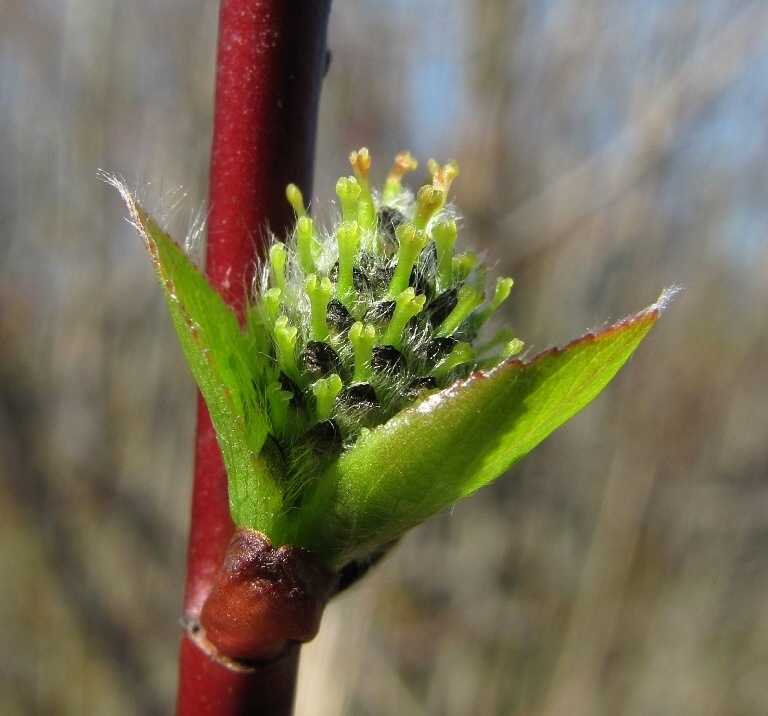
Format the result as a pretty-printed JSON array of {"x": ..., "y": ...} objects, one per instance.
[{"x": 271, "y": 61}]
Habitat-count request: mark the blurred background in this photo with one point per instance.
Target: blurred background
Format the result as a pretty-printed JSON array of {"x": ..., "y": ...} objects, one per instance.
[{"x": 608, "y": 149}]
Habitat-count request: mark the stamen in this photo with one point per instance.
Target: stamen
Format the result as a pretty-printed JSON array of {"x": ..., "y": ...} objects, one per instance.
[
  {"x": 271, "y": 303},
  {"x": 296, "y": 200},
  {"x": 461, "y": 353},
  {"x": 306, "y": 243},
  {"x": 442, "y": 177},
  {"x": 501, "y": 293},
  {"x": 407, "y": 305},
  {"x": 412, "y": 242},
  {"x": 444, "y": 236},
  {"x": 403, "y": 164},
  {"x": 285, "y": 342},
  {"x": 348, "y": 237},
  {"x": 319, "y": 292},
  {"x": 502, "y": 337},
  {"x": 428, "y": 201},
  {"x": 362, "y": 336},
  {"x": 512, "y": 348},
  {"x": 325, "y": 391},
  {"x": 277, "y": 258},
  {"x": 366, "y": 210},
  {"x": 468, "y": 300},
  {"x": 348, "y": 191},
  {"x": 462, "y": 265},
  {"x": 278, "y": 400}
]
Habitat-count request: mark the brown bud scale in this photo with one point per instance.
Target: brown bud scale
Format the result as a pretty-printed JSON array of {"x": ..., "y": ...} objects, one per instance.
[{"x": 264, "y": 599}]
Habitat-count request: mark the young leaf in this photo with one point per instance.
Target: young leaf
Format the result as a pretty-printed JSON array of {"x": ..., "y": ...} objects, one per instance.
[
  {"x": 430, "y": 456},
  {"x": 221, "y": 357}
]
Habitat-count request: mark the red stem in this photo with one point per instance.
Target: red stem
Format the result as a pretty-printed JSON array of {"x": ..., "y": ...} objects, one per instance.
[{"x": 270, "y": 65}]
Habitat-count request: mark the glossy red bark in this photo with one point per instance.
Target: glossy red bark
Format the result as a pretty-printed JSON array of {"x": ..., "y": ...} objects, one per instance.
[
  {"x": 271, "y": 61},
  {"x": 229, "y": 689}
]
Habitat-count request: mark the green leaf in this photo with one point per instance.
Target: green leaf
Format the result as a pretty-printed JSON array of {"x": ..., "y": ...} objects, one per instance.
[
  {"x": 430, "y": 456},
  {"x": 223, "y": 361}
]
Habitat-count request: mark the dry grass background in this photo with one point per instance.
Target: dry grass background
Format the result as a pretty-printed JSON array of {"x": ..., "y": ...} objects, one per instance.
[{"x": 609, "y": 148}]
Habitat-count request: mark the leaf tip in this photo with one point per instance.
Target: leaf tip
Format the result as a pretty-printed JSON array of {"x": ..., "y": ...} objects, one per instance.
[{"x": 664, "y": 300}]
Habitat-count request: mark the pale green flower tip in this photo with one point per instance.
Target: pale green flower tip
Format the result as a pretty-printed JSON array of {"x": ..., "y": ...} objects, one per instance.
[
  {"x": 512, "y": 348},
  {"x": 296, "y": 200},
  {"x": 325, "y": 391},
  {"x": 348, "y": 191},
  {"x": 363, "y": 337},
  {"x": 277, "y": 259}
]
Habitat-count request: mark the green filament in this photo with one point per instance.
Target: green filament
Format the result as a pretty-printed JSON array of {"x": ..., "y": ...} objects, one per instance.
[
  {"x": 444, "y": 236},
  {"x": 278, "y": 400},
  {"x": 348, "y": 237},
  {"x": 319, "y": 291},
  {"x": 277, "y": 259},
  {"x": 468, "y": 300},
  {"x": 366, "y": 209},
  {"x": 462, "y": 353},
  {"x": 285, "y": 343},
  {"x": 412, "y": 242},
  {"x": 296, "y": 200},
  {"x": 428, "y": 201},
  {"x": 348, "y": 191},
  {"x": 407, "y": 305},
  {"x": 306, "y": 243},
  {"x": 271, "y": 302},
  {"x": 500, "y": 294},
  {"x": 362, "y": 336},
  {"x": 403, "y": 164},
  {"x": 325, "y": 391}
]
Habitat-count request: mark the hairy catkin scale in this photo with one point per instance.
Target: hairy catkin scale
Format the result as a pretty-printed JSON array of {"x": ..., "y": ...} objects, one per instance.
[{"x": 370, "y": 316}]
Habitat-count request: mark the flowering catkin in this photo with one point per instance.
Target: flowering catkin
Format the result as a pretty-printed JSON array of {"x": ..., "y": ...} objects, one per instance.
[{"x": 365, "y": 319}]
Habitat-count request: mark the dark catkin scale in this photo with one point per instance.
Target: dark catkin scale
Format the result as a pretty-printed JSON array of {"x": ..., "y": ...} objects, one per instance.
[
  {"x": 338, "y": 318},
  {"x": 357, "y": 407},
  {"x": 421, "y": 283},
  {"x": 324, "y": 436},
  {"x": 389, "y": 360},
  {"x": 387, "y": 220},
  {"x": 434, "y": 350},
  {"x": 380, "y": 313},
  {"x": 417, "y": 387},
  {"x": 379, "y": 272},
  {"x": 440, "y": 308},
  {"x": 357, "y": 397},
  {"x": 288, "y": 385},
  {"x": 319, "y": 360},
  {"x": 359, "y": 279}
]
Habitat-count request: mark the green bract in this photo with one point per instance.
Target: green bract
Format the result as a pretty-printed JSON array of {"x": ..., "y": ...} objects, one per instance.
[{"x": 357, "y": 401}]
